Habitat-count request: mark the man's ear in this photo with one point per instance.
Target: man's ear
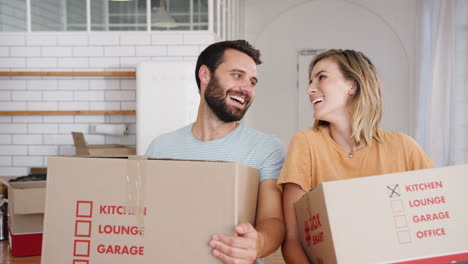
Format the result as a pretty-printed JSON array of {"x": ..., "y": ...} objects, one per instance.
[{"x": 204, "y": 74}]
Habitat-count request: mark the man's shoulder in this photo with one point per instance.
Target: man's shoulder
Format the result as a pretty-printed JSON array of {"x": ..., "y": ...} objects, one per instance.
[
  {"x": 168, "y": 140},
  {"x": 261, "y": 138},
  {"x": 258, "y": 134},
  {"x": 173, "y": 135}
]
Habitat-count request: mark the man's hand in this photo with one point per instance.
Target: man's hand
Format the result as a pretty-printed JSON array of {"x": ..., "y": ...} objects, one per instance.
[{"x": 241, "y": 249}]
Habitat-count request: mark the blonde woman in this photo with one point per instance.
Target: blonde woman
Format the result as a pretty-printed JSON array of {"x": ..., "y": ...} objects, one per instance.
[{"x": 345, "y": 141}]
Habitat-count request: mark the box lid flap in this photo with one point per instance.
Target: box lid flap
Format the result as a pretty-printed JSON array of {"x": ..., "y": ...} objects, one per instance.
[{"x": 78, "y": 139}]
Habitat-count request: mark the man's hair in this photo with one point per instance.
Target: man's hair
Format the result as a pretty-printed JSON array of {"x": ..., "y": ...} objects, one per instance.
[
  {"x": 367, "y": 102},
  {"x": 213, "y": 55}
]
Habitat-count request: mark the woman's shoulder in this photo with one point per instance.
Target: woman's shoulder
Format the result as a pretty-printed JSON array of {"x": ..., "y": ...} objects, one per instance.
[
  {"x": 311, "y": 133},
  {"x": 395, "y": 137}
]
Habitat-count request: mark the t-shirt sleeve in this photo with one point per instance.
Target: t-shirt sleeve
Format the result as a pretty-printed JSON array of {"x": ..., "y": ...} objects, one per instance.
[
  {"x": 297, "y": 166},
  {"x": 150, "y": 149},
  {"x": 417, "y": 158},
  {"x": 271, "y": 166}
]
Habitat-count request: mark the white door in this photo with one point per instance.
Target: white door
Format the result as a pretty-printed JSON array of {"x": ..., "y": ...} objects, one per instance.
[{"x": 305, "y": 118}]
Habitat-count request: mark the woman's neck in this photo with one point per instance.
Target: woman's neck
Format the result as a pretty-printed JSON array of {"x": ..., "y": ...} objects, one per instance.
[{"x": 342, "y": 134}]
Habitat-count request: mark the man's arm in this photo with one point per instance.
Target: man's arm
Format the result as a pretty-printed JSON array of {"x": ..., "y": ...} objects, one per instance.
[{"x": 252, "y": 243}]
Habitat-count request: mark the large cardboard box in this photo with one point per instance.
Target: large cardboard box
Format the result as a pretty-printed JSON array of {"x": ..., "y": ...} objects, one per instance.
[
  {"x": 119, "y": 210},
  {"x": 411, "y": 217},
  {"x": 84, "y": 149},
  {"x": 26, "y": 202}
]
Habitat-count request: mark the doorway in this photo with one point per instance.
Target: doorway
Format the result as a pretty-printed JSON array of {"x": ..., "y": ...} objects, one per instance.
[{"x": 304, "y": 112}]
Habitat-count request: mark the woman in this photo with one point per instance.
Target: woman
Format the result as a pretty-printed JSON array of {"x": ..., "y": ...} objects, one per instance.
[{"x": 345, "y": 141}]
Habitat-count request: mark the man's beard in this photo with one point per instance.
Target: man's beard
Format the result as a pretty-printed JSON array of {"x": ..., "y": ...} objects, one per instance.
[{"x": 216, "y": 100}]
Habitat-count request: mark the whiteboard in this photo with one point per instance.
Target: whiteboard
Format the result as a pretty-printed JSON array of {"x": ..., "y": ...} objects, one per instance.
[{"x": 167, "y": 99}]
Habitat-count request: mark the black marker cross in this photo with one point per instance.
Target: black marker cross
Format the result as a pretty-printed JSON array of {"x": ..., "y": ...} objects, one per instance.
[{"x": 393, "y": 190}]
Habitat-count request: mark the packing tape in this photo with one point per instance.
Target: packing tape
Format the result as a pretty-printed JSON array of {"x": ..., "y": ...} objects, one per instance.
[{"x": 136, "y": 187}]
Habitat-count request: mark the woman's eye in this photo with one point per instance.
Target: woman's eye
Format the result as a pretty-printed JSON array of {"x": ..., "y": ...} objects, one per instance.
[
  {"x": 237, "y": 75},
  {"x": 321, "y": 77}
]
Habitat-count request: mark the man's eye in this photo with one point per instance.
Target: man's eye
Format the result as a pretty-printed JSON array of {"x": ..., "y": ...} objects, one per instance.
[
  {"x": 236, "y": 75},
  {"x": 321, "y": 77}
]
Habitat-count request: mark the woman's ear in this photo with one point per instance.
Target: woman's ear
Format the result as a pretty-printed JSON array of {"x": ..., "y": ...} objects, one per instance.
[{"x": 353, "y": 89}]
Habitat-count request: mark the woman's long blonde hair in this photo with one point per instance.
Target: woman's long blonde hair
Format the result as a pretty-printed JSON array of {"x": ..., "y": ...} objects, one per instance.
[{"x": 367, "y": 106}]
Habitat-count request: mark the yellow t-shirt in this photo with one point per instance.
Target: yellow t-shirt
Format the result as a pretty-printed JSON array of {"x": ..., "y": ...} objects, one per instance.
[{"x": 314, "y": 157}]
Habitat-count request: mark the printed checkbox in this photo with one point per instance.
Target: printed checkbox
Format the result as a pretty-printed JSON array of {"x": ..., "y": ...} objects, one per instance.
[
  {"x": 397, "y": 206},
  {"x": 84, "y": 209},
  {"x": 80, "y": 261},
  {"x": 404, "y": 237},
  {"x": 82, "y": 228},
  {"x": 400, "y": 221},
  {"x": 81, "y": 248}
]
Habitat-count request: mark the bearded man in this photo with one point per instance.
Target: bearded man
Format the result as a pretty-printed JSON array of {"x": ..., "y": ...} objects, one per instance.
[{"x": 226, "y": 75}]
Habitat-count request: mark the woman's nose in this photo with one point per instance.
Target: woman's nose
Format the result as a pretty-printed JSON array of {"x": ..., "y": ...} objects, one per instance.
[{"x": 311, "y": 89}]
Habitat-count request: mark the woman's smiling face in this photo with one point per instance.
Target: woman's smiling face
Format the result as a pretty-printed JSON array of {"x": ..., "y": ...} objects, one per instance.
[{"x": 329, "y": 92}]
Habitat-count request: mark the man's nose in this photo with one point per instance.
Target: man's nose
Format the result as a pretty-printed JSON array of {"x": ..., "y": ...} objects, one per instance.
[{"x": 246, "y": 85}]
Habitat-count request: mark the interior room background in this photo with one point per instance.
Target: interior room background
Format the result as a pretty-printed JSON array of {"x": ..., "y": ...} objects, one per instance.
[{"x": 419, "y": 48}]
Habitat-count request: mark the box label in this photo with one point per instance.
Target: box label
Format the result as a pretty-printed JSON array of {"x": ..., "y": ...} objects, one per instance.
[
  {"x": 423, "y": 205},
  {"x": 87, "y": 228}
]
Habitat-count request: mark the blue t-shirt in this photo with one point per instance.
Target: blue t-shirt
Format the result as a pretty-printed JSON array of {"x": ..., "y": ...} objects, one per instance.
[{"x": 243, "y": 145}]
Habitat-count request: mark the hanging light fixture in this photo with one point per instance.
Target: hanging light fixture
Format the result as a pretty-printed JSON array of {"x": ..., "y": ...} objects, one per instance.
[{"x": 162, "y": 18}]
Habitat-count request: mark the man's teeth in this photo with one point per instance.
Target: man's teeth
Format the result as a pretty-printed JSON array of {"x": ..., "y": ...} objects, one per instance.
[
  {"x": 320, "y": 99},
  {"x": 237, "y": 98}
]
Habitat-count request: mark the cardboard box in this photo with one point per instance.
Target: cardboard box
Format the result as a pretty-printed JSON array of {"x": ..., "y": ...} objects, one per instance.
[
  {"x": 84, "y": 149},
  {"x": 119, "y": 210},
  {"x": 26, "y": 202},
  {"x": 411, "y": 217}
]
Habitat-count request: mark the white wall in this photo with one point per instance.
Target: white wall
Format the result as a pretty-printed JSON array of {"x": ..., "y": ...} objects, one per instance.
[
  {"x": 383, "y": 30},
  {"x": 26, "y": 141}
]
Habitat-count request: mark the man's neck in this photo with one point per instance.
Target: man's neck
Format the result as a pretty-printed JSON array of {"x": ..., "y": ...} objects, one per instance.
[{"x": 208, "y": 127}]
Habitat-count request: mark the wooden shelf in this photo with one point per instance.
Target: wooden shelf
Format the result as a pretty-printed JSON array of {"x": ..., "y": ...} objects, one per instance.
[
  {"x": 38, "y": 73},
  {"x": 68, "y": 73},
  {"x": 104, "y": 112}
]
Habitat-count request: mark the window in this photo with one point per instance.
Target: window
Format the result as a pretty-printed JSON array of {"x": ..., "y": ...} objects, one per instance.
[
  {"x": 105, "y": 15},
  {"x": 13, "y": 15},
  {"x": 58, "y": 15}
]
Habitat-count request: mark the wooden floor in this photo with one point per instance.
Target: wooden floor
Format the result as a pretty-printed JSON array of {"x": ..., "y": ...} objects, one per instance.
[{"x": 6, "y": 258}]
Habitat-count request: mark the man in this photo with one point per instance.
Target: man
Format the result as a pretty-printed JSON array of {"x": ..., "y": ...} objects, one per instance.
[{"x": 226, "y": 75}]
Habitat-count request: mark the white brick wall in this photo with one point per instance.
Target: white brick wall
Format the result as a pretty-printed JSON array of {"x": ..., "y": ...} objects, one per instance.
[
  {"x": 73, "y": 63},
  {"x": 119, "y": 51},
  {"x": 56, "y": 51},
  {"x": 26, "y": 96},
  {"x": 25, "y": 51},
  {"x": 26, "y": 141},
  {"x": 88, "y": 51}
]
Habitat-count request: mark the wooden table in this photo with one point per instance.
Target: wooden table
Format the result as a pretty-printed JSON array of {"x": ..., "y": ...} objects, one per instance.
[{"x": 6, "y": 258}]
